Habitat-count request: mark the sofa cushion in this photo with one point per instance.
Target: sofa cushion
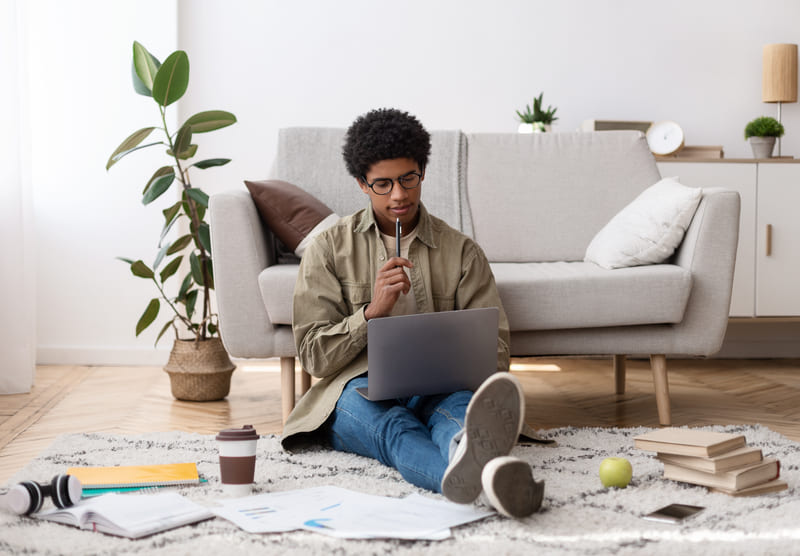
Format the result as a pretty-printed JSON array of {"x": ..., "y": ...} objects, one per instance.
[
  {"x": 293, "y": 215},
  {"x": 543, "y": 196},
  {"x": 276, "y": 283},
  {"x": 549, "y": 296},
  {"x": 649, "y": 229}
]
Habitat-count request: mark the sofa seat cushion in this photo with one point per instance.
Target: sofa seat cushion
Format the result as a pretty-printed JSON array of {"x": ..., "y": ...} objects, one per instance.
[
  {"x": 551, "y": 296},
  {"x": 276, "y": 283}
]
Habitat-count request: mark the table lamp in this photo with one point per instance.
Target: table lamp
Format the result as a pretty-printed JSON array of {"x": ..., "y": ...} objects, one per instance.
[{"x": 779, "y": 76}]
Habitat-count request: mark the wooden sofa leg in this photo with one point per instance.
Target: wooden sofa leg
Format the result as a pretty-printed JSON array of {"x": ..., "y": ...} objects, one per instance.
[
  {"x": 287, "y": 386},
  {"x": 658, "y": 363},
  {"x": 619, "y": 373}
]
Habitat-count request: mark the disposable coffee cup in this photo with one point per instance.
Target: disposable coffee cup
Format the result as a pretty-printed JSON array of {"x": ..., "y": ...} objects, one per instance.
[{"x": 237, "y": 460}]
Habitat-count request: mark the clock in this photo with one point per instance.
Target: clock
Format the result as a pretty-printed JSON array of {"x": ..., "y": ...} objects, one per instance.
[{"x": 665, "y": 138}]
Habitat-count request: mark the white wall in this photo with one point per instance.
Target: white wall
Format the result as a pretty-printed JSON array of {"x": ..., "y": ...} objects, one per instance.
[
  {"x": 82, "y": 106},
  {"x": 464, "y": 64}
]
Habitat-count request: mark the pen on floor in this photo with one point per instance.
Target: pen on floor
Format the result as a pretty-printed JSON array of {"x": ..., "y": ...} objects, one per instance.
[{"x": 397, "y": 231}]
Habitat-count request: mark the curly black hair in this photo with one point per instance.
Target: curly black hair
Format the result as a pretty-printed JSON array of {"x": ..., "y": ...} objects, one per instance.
[{"x": 384, "y": 134}]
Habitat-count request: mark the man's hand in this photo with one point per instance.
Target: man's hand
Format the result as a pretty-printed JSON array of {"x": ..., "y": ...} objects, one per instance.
[{"x": 389, "y": 284}]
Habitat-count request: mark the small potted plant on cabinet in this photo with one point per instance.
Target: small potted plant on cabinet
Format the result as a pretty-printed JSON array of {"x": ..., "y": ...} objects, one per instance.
[
  {"x": 199, "y": 366},
  {"x": 536, "y": 120},
  {"x": 761, "y": 133}
]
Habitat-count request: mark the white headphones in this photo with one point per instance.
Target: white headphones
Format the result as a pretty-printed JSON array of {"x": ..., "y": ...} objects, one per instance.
[{"x": 27, "y": 497}]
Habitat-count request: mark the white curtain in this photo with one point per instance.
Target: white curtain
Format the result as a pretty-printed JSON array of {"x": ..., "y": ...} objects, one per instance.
[{"x": 17, "y": 265}]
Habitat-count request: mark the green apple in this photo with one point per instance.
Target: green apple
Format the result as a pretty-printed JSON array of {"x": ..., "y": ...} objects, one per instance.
[{"x": 615, "y": 472}]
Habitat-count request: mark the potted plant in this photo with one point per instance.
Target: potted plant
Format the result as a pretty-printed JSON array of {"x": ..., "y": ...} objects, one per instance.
[
  {"x": 536, "y": 120},
  {"x": 761, "y": 133},
  {"x": 199, "y": 366}
]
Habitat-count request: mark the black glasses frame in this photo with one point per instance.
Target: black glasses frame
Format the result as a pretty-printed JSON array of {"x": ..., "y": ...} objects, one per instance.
[{"x": 391, "y": 186}]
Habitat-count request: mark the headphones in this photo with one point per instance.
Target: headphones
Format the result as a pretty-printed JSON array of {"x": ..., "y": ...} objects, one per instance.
[{"x": 27, "y": 497}]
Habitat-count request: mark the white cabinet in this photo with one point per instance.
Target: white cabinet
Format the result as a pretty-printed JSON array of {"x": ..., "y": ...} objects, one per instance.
[
  {"x": 778, "y": 241},
  {"x": 766, "y": 281}
]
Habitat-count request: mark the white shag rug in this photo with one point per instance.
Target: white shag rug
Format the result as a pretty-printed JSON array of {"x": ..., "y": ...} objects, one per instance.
[{"x": 578, "y": 515}]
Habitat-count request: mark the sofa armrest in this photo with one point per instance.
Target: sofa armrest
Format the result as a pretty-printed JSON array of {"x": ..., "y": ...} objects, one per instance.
[
  {"x": 709, "y": 252},
  {"x": 241, "y": 247}
]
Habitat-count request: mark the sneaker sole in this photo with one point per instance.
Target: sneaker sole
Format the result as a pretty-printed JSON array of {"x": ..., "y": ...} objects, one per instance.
[
  {"x": 492, "y": 425},
  {"x": 509, "y": 485}
]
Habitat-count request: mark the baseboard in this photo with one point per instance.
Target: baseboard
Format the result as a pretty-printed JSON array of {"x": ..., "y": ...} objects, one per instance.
[
  {"x": 761, "y": 340},
  {"x": 97, "y": 356}
]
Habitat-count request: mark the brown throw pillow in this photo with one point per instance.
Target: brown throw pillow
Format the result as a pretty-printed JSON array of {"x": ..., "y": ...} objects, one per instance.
[{"x": 290, "y": 212}]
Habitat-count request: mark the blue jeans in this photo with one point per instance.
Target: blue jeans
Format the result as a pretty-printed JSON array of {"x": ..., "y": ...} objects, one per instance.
[{"x": 413, "y": 435}]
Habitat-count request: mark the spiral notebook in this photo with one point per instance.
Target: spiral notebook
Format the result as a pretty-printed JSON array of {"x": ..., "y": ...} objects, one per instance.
[{"x": 124, "y": 476}]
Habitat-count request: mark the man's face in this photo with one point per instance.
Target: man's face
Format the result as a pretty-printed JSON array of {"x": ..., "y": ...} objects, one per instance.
[{"x": 400, "y": 202}]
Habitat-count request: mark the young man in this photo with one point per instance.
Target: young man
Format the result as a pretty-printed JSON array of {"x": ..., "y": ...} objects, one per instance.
[{"x": 456, "y": 444}]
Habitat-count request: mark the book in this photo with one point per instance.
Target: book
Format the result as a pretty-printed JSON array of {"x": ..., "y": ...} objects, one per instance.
[
  {"x": 734, "y": 479},
  {"x": 689, "y": 442},
  {"x": 729, "y": 460},
  {"x": 130, "y": 515},
  {"x": 122, "y": 476},
  {"x": 776, "y": 485}
]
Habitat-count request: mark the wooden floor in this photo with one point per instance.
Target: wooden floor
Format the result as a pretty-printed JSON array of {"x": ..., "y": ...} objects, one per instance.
[{"x": 559, "y": 392}]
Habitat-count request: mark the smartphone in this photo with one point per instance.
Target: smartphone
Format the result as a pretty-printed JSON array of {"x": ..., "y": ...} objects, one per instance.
[{"x": 674, "y": 513}]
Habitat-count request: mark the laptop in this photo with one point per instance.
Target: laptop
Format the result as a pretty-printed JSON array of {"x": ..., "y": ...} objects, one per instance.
[{"x": 430, "y": 353}]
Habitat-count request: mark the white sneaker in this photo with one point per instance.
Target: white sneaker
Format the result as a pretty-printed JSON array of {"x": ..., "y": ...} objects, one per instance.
[
  {"x": 492, "y": 425},
  {"x": 509, "y": 485}
]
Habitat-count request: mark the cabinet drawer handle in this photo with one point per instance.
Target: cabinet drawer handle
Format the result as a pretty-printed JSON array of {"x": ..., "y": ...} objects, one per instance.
[{"x": 769, "y": 240}]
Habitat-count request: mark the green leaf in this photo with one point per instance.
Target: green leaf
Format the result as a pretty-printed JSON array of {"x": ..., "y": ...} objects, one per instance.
[
  {"x": 185, "y": 285},
  {"x": 160, "y": 256},
  {"x": 197, "y": 272},
  {"x": 210, "y": 273},
  {"x": 148, "y": 316},
  {"x": 210, "y": 120},
  {"x": 171, "y": 212},
  {"x": 204, "y": 235},
  {"x": 183, "y": 140},
  {"x": 198, "y": 196},
  {"x": 123, "y": 259},
  {"x": 172, "y": 78},
  {"x": 191, "y": 301},
  {"x": 145, "y": 67},
  {"x": 212, "y": 328},
  {"x": 157, "y": 187},
  {"x": 163, "y": 171},
  {"x": 171, "y": 268},
  {"x": 168, "y": 226},
  {"x": 180, "y": 244},
  {"x": 208, "y": 163},
  {"x": 141, "y": 270},
  {"x": 163, "y": 330},
  {"x": 185, "y": 154},
  {"x": 129, "y": 145}
]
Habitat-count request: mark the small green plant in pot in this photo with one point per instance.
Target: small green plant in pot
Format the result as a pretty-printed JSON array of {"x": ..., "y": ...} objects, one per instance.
[
  {"x": 190, "y": 311},
  {"x": 533, "y": 119},
  {"x": 761, "y": 133}
]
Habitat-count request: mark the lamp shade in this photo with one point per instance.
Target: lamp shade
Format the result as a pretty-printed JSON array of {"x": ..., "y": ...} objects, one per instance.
[{"x": 779, "y": 77}]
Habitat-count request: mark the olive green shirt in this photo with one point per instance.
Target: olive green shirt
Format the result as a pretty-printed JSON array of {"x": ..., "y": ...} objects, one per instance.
[{"x": 335, "y": 284}]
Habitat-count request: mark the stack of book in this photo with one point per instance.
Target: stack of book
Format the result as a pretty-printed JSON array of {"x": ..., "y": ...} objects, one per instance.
[{"x": 720, "y": 461}]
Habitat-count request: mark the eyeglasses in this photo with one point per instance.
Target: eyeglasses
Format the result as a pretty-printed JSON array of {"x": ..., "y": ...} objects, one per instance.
[{"x": 383, "y": 186}]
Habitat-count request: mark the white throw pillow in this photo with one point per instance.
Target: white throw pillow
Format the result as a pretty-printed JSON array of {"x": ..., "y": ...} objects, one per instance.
[{"x": 649, "y": 229}]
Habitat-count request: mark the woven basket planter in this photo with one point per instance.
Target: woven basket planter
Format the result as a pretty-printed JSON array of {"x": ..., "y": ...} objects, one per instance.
[{"x": 199, "y": 371}]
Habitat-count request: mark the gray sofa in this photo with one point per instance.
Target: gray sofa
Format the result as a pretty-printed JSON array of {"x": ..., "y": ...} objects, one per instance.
[{"x": 533, "y": 203}]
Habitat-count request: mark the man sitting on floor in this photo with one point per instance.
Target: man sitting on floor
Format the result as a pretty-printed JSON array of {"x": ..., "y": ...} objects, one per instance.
[{"x": 456, "y": 444}]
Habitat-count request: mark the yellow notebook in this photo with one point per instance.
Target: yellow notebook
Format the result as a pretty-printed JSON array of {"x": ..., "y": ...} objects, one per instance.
[{"x": 167, "y": 474}]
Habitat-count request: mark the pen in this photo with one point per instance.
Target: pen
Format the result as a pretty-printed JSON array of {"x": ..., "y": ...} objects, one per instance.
[{"x": 397, "y": 231}]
